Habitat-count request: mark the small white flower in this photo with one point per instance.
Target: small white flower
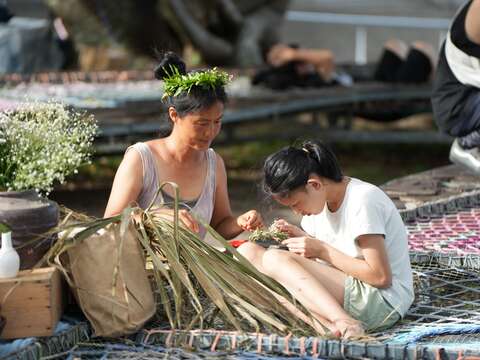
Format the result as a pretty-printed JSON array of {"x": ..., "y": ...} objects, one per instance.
[{"x": 46, "y": 142}]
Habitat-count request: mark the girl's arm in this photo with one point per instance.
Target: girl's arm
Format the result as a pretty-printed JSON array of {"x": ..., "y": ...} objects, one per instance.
[
  {"x": 223, "y": 220},
  {"x": 374, "y": 269}
]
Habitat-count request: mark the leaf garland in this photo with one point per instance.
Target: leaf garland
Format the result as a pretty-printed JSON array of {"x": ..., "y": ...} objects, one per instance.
[{"x": 176, "y": 83}]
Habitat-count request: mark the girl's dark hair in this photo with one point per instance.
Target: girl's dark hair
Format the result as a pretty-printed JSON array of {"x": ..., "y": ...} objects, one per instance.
[
  {"x": 197, "y": 98},
  {"x": 289, "y": 168}
]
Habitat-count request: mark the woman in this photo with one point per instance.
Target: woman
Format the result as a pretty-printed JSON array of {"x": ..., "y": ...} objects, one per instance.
[
  {"x": 349, "y": 265},
  {"x": 195, "y": 102}
]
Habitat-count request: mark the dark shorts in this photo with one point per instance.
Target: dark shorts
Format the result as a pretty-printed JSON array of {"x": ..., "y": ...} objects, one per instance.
[
  {"x": 456, "y": 107},
  {"x": 416, "y": 68}
]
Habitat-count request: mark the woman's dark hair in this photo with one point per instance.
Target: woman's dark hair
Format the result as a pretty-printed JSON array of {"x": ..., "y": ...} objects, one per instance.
[
  {"x": 199, "y": 97},
  {"x": 290, "y": 168}
]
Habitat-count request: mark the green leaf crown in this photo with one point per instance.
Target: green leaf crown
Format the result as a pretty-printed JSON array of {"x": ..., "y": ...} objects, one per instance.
[{"x": 176, "y": 83}]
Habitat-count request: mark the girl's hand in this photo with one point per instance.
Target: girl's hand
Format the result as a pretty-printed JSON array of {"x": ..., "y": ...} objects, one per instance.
[
  {"x": 286, "y": 227},
  {"x": 251, "y": 220},
  {"x": 305, "y": 246}
]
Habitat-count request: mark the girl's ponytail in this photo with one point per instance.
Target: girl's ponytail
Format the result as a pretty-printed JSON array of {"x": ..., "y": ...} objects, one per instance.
[
  {"x": 328, "y": 166},
  {"x": 290, "y": 168}
]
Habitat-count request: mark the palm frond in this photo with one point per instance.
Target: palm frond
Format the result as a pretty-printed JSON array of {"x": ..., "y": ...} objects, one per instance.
[{"x": 190, "y": 276}]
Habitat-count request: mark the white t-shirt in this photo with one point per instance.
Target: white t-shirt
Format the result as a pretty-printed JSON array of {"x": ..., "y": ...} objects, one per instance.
[{"x": 366, "y": 209}]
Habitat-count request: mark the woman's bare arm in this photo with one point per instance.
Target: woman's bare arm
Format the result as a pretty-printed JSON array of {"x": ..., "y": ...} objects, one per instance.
[
  {"x": 126, "y": 185},
  {"x": 223, "y": 220}
]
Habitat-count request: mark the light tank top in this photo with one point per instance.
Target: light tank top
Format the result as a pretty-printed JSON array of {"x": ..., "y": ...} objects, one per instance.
[{"x": 202, "y": 207}]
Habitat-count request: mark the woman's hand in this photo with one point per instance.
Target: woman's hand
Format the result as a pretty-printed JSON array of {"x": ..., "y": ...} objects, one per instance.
[
  {"x": 286, "y": 227},
  {"x": 251, "y": 220},
  {"x": 305, "y": 246},
  {"x": 187, "y": 219},
  {"x": 184, "y": 216}
]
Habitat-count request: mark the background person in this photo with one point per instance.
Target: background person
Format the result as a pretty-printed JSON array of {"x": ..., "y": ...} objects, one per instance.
[
  {"x": 456, "y": 92},
  {"x": 290, "y": 65},
  {"x": 400, "y": 63}
]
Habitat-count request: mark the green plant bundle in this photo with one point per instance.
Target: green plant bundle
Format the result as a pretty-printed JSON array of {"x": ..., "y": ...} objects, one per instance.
[
  {"x": 272, "y": 234},
  {"x": 190, "y": 276},
  {"x": 4, "y": 228},
  {"x": 177, "y": 83},
  {"x": 41, "y": 143}
]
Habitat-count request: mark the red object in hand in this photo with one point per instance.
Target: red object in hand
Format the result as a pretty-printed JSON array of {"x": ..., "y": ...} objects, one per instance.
[{"x": 236, "y": 243}]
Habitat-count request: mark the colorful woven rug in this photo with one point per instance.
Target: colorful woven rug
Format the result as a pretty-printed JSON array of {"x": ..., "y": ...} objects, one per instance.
[{"x": 455, "y": 233}]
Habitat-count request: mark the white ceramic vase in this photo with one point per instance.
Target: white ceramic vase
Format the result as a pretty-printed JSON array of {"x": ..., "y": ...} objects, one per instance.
[{"x": 9, "y": 259}]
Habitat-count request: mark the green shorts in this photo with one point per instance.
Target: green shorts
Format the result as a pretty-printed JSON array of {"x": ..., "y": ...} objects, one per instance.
[{"x": 366, "y": 304}]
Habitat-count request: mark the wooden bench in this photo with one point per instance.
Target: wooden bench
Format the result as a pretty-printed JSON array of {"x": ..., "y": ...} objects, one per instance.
[{"x": 281, "y": 110}]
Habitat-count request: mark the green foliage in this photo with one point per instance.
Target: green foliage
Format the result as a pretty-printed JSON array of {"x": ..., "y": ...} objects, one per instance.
[
  {"x": 4, "y": 228},
  {"x": 268, "y": 235},
  {"x": 7, "y": 168},
  {"x": 41, "y": 144},
  {"x": 176, "y": 83}
]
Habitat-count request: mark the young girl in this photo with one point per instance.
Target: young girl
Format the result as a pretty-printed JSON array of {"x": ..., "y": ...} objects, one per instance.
[
  {"x": 350, "y": 264},
  {"x": 195, "y": 105}
]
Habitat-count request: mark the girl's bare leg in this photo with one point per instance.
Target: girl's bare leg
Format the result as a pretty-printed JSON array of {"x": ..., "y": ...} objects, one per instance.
[
  {"x": 254, "y": 253},
  {"x": 318, "y": 287}
]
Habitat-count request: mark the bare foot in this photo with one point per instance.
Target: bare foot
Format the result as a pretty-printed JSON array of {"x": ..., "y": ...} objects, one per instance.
[{"x": 349, "y": 328}]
